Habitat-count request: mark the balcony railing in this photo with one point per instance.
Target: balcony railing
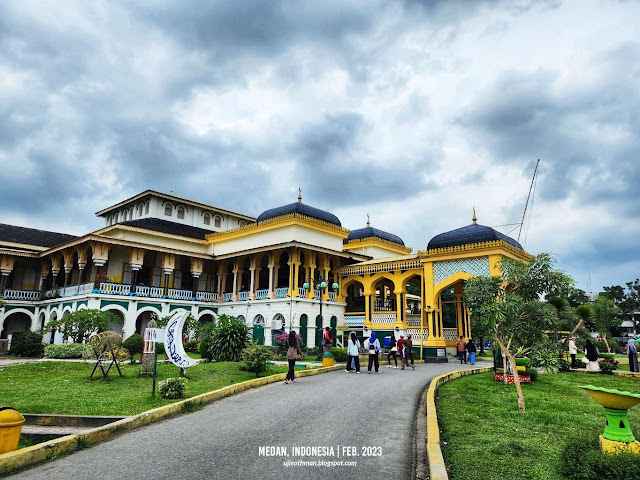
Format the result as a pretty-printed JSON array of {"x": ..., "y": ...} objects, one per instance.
[
  {"x": 302, "y": 292},
  {"x": 176, "y": 294},
  {"x": 355, "y": 304},
  {"x": 153, "y": 292},
  {"x": 260, "y": 294},
  {"x": 115, "y": 288},
  {"x": 316, "y": 293},
  {"x": 384, "y": 305},
  {"x": 281, "y": 292},
  {"x": 414, "y": 320},
  {"x": 207, "y": 296},
  {"x": 227, "y": 297},
  {"x": 243, "y": 295},
  {"x": 332, "y": 296},
  {"x": 21, "y": 295}
]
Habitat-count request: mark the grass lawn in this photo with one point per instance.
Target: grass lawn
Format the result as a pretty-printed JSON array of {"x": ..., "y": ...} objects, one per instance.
[
  {"x": 65, "y": 388},
  {"x": 486, "y": 437}
]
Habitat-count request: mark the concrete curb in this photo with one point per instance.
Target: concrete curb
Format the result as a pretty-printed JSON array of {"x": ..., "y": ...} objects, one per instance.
[
  {"x": 26, "y": 457},
  {"x": 437, "y": 468}
]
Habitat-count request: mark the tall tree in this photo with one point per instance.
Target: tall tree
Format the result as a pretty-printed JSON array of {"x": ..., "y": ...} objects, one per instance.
[
  {"x": 606, "y": 316},
  {"x": 82, "y": 324},
  {"x": 510, "y": 305}
]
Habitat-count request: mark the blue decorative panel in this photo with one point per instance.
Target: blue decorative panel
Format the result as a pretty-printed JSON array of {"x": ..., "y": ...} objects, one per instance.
[
  {"x": 354, "y": 320},
  {"x": 478, "y": 266}
]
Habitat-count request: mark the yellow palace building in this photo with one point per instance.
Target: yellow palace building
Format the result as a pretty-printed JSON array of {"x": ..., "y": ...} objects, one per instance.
[{"x": 293, "y": 267}]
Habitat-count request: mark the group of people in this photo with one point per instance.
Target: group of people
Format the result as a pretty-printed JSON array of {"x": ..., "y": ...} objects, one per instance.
[
  {"x": 592, "y": 355},
  {"x": 401, "y": 348},
  {"x": 465, "y": 348}
]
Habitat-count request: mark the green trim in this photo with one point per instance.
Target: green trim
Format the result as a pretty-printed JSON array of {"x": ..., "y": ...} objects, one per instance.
[
  {"x": 175, "y": 307},
  {"x": 83, "y": 302},
  {"x": 13, "y": 307},
  {"x": 203, "y": 309},
  {"x": 104, "y": 303},
  {"x": 68, "y": 304},
  {"x": 154, "y": 305}
]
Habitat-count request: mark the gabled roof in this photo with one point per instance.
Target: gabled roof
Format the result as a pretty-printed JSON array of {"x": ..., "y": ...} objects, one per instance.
[
  {"x": 473, "y": 233},
  {"x": 302, "y": 209},
  {"x": 154, "y": 193},
  {"x": 164, "y": 226},
  {"x": 32, "y": 236},
  {"x": 368, "y": 232}
]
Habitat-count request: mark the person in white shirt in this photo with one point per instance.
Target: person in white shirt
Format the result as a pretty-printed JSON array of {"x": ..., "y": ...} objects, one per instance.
[{"x": 573, "y": 350}]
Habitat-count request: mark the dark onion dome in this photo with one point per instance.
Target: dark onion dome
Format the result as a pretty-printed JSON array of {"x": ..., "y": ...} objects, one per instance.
[
  {"x": 302, "y": 209},
  {"x": 473, "y": 233},
  {"x": 369, "y": 232}
]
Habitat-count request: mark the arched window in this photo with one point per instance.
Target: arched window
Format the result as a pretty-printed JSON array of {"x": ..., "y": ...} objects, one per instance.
[
  {"x": 180, "y": 212},
  {"x": 258, "y": 320},
  {"x": 241, "y": 318},
  {"x": 168, "y": 211},
  {"x": 146, "y": 207},
  {"x": 217, "y": 221},
  {"x": 115, "y": 218},
  {"x": 279, "y": 322},
  {"x": 124, "y": 216},
  {"x": 207, "y": 219},
  {"x": 131, "y": 213},
  {"x": 242, "y": 223},
  {"x": 140, "y": 210}
]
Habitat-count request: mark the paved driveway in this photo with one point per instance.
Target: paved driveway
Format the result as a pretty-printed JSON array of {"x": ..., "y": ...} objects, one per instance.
[{"x": 224, "y": 439}]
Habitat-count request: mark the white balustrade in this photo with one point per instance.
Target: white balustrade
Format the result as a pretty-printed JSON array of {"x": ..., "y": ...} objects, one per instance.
[
  {"x": 260, "y": 294},
  {"x": 384, "y": 318},
  {"x": 176, "y": 294},
  {"x": 413, "y": 320},
  {"x": 415, "y": 335},
  {"x": 281, "y": 292},
  {"x": 332, "y": 296},
  {"x": 302, "y": 292},
  {"x": 84, "y": 288},
  {"x": 155, "y": 292},
  {"x": 21, "y": 294},
  {"x": 243, "y": 295},
  {"x": 207, "y": 296},
  {"x": 227, "y": 297},
  {"x": 450, "y": 334},
  {"x": 115, "y": 288}
]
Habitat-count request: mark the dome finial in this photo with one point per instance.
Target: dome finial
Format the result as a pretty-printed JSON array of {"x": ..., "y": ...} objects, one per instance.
[
  {"x": 474, "y": 219},
  {"x": 299, "y": 195},
  {"x": 368, "y": 222}
]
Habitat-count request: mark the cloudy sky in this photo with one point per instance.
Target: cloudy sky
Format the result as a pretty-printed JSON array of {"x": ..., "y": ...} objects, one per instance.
[{"x": 414, "y": 112}]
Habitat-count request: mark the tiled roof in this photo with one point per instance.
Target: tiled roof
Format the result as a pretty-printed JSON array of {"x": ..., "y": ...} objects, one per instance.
[
  {"x": 166, "y": 226},
  {"x": 473, "y": 233},
  {"x": 373, "y": 232},
  {"x": 302, "y": 209},
  {"x": 32, "y": 236}
]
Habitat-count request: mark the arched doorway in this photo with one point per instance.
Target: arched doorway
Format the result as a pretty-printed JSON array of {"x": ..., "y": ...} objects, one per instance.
[
  {"x": 277, "y": 327},
  {"x": 15, "y": 322},
  {"x": 118, "y": 325},
  {"x": 142, "y": 322},
  {"x": 258, "y": 329}
]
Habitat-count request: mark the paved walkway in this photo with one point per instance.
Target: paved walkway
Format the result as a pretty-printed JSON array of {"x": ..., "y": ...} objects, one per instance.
[{"x": 223, "y": 440}]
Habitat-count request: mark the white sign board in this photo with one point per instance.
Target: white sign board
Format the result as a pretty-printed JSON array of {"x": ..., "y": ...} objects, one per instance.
[{"x": 155, "y": 335}]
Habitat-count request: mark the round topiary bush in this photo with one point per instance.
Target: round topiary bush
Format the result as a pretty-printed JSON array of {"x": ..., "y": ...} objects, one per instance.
[
  {"x": 134, "y": 344},
  {"x": 172, "y": 387}
]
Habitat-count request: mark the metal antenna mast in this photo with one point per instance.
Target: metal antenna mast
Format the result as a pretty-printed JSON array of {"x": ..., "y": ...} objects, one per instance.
[{"x": 528, "y": 196}]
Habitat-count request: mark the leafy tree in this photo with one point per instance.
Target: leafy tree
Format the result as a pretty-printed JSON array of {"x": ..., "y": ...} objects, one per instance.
[
  {"x": 510, "y": 305},
  {"x": 83, "y": 323},
  {"x": 605, "y": 317},
  {"x": 413, "y": 289},
  {"x": 577, "y": 297},
  {"x": 134, "y": 344},
  {"x": 627, "y": 300},
  {"x": 225, "y": 340}
]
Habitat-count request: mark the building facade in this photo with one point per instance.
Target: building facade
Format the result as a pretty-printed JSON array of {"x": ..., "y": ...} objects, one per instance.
[{"x": 292, "y": 267}]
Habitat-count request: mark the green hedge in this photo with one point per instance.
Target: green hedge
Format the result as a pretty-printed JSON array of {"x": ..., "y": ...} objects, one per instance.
[
  {"x": 339, "y": 354},
  {"x": 68, "y": 350}
]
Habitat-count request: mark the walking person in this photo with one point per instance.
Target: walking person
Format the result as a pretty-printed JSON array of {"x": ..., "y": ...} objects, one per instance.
[
  {"x": 408, "y": 353},
  {"x": 471, "y": 350},
  {"x": 400, "y": 349},
  {"x": 327, "y": 340},
  {"x": 373, "y": 346},
  {"x": 573, "y": 351},
  {"x": 632, "y": 351},
  {"x": 293, "y": 350},
  {"x": 353, "y": 349},
  {"x": 460, "y": 347},
  {"x": 591, "y": 352},
  {"x": 393, "y": 351}
]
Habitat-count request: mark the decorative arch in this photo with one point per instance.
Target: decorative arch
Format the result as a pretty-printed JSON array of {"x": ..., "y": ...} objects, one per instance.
[
  {"x": 450, "y": 280},
  {"x": 258, "y": 320},
  {"x": 149, "y": 309},
  {"x": 241, "y": 318},
  {"x": 119, "y": 308},
  {"x": 279, "y": 322},
  {"x": 208, "y": 312}
]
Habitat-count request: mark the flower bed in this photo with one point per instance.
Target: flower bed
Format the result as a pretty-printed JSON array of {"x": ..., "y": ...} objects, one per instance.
[{"x": 500, "y": 378}]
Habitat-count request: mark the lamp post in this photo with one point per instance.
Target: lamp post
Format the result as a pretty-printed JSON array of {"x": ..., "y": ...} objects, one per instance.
[{"x": 322, "y": 284}]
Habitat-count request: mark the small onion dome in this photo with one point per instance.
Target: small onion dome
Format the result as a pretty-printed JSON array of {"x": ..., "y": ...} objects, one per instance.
[
  {"x": 302, "y": 209},
  {"x": 473, "y": 233},
  {"x": 368, "y": 232}
]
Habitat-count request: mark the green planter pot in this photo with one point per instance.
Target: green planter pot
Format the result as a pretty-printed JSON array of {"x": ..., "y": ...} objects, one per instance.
[
  {"x": 522, "y": 362},
  {"x": 607, "y": 355}
]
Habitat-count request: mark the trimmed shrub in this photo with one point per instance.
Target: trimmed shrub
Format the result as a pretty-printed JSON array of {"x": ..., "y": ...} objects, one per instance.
[
  {"x": 313, "y": 351},
  {"x": 172, "y": 387},
  {"x": 256, "y": 357},
  {"x": 225, "y": 341},
  {"x": 564, "y": 366},
  {"x": 134, "y": 344},
  {"x": 583, "y": 460},
  {"x": 340, "y": 354},
  {"x": 607, "y": 368},
  {"x": 68, "y": 350},
  {"x": 192, "y": 346},
  {"x": 533, "y": 374},
  {"x": 27, "y": 344}
]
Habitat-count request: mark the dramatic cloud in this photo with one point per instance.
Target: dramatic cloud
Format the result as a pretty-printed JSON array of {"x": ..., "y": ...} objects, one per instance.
[{"x": 413, "y": 112}]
